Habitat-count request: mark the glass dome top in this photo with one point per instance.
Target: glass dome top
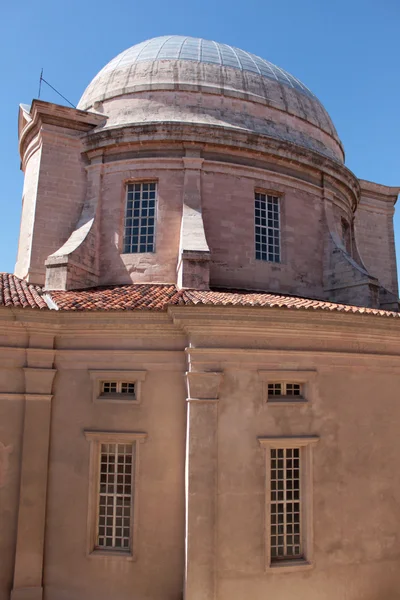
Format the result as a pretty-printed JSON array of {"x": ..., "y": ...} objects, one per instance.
[{"x": 176, "y": 47}]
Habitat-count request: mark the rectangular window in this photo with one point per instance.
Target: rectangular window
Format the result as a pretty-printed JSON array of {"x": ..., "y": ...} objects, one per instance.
[
  {"x": 285, "y": 538},
  {"x": 114, "y": 483},
  {"x": 140, "y": 218},
  {"x": 267, "y": 227},
  {"x": 289, "y": 501},
  {"x": 115, "y": 500},
  {"x": 117, "y": 387},
  {"x": 281, "y": 387},
  {"x": 279, "y": 390}
]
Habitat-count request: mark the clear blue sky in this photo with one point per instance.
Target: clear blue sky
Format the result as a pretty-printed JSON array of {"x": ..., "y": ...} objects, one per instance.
[{"x": 345, "y": 51}]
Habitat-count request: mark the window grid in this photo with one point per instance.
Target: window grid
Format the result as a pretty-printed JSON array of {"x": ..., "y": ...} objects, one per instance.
[
  {"x": 267, "y": 227},
  {"x": 139, "y": 226},
  {"x": 285, "y": 537},
  {"x": 115, "y": 497},
  {"x": 284, "y": 389},
  {"x": 118, "y": 387}
]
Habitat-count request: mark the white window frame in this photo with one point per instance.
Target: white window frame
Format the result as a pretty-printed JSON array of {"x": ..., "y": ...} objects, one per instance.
[
  {"x": 306, "y": 378},
  {"x": 99, "y": 376},
  {"x": 96, "y": 438},
  {"x": 305, "y": 444}
]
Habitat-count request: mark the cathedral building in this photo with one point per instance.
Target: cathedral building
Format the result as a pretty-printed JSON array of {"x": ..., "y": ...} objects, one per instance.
[{"x": 199, "y": 354}]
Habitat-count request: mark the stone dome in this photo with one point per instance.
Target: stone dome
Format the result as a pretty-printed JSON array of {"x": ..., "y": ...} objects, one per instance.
[{"x": 187, "y": 64}]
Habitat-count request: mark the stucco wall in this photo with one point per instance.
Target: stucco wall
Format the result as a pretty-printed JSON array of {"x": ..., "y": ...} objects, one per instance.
[
  {"x": 353, "y": 410},
  {"x": 356, "y": 535},
  {"x": 158, "y": 571},
  {"x": 11, "y": 429}
]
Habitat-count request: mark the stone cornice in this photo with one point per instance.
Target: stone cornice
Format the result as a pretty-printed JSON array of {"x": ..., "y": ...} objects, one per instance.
[
  {"x": 61, "y": 116},
  {"x": 257, "y": 359},
  {"x": 254, "y": 318},
  {"x": 161, "y": 133},
  {"x": 376, "y": 191}
]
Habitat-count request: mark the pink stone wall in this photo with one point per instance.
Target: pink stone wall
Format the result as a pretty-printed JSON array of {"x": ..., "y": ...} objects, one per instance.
[
  {"x": 375, "y": 241},
  {"x": 29, "y": 197},
  {"x": 228, "y": 212},
  {"x": 60, "y": 191},
  {"x": 160, "y": 266}
]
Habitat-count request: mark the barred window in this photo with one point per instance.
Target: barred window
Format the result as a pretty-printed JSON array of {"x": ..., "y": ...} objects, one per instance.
[
  {"x": 289, "y": 501},
  {"x": 285, "y": 389},
  {"x": 285, "y": 539},
  {"x": 140, "y": 217},
  {"x": 267, "y": 227},
  {"x": 115, "y": 500},
  {"x": 118, "y": 387}
]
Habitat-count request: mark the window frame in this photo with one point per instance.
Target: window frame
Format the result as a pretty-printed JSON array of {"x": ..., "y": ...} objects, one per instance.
[
  {"x": 96, "y": 438},
  {"x": 306, "y": 378},
  {"x": 279, "y": 196},
  {"x": 124, "y": 214},
  {"x": 305, "y": 444},
  {"x": 121, "y": 376}
]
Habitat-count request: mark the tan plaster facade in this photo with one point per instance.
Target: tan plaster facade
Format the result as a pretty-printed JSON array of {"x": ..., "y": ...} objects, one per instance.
[
  {"x": 202, "y": 420},
  {"x": 45, "y": 524}
]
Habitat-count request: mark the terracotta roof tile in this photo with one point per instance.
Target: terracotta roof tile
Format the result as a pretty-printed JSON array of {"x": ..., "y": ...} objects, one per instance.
[
  {"x": 121, "y": 297},
  {"x": 18, "y": 293},
  {"x": 159, "y": 297},
  {"x": 15, "y": 292}
]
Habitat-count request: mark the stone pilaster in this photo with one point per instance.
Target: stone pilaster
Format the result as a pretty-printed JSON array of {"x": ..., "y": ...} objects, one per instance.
[
  {"x": 201, "y": 485},
  {"x": 76, "y": 264},
  {"x": 194, "y": 253},
  {"x": 28, "y": 569}
]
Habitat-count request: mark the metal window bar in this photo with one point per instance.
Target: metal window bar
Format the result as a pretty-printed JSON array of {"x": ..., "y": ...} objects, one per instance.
[
  {"x": 267, "y": 227},
  {"x": 140, "y": 218},
  {"x": 285, "y": 524},
  {"x": 116, "y": 464}
]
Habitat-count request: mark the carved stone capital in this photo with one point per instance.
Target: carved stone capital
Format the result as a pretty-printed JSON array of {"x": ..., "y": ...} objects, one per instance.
[{"x": 39, "y": 381}]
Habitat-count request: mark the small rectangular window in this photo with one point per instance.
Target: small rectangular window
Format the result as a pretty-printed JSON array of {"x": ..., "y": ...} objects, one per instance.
[
  {"x": 285, "y": 390},
  {"x": 140, "y": 218},
  {"x": 115, "y": 497},
  {"x": 117, "y": 387},
  {"x": 267, "y": 227},
  {"x": 286, "y": 522}
]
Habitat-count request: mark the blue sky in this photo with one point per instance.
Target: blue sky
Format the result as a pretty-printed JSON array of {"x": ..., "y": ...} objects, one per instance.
[{"x": 345, "y": 51}]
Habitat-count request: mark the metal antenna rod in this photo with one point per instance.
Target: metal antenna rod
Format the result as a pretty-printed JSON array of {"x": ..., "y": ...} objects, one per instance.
[
  {"x": 40, "y": 82},
  {"x": 53, "y": 88}
]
